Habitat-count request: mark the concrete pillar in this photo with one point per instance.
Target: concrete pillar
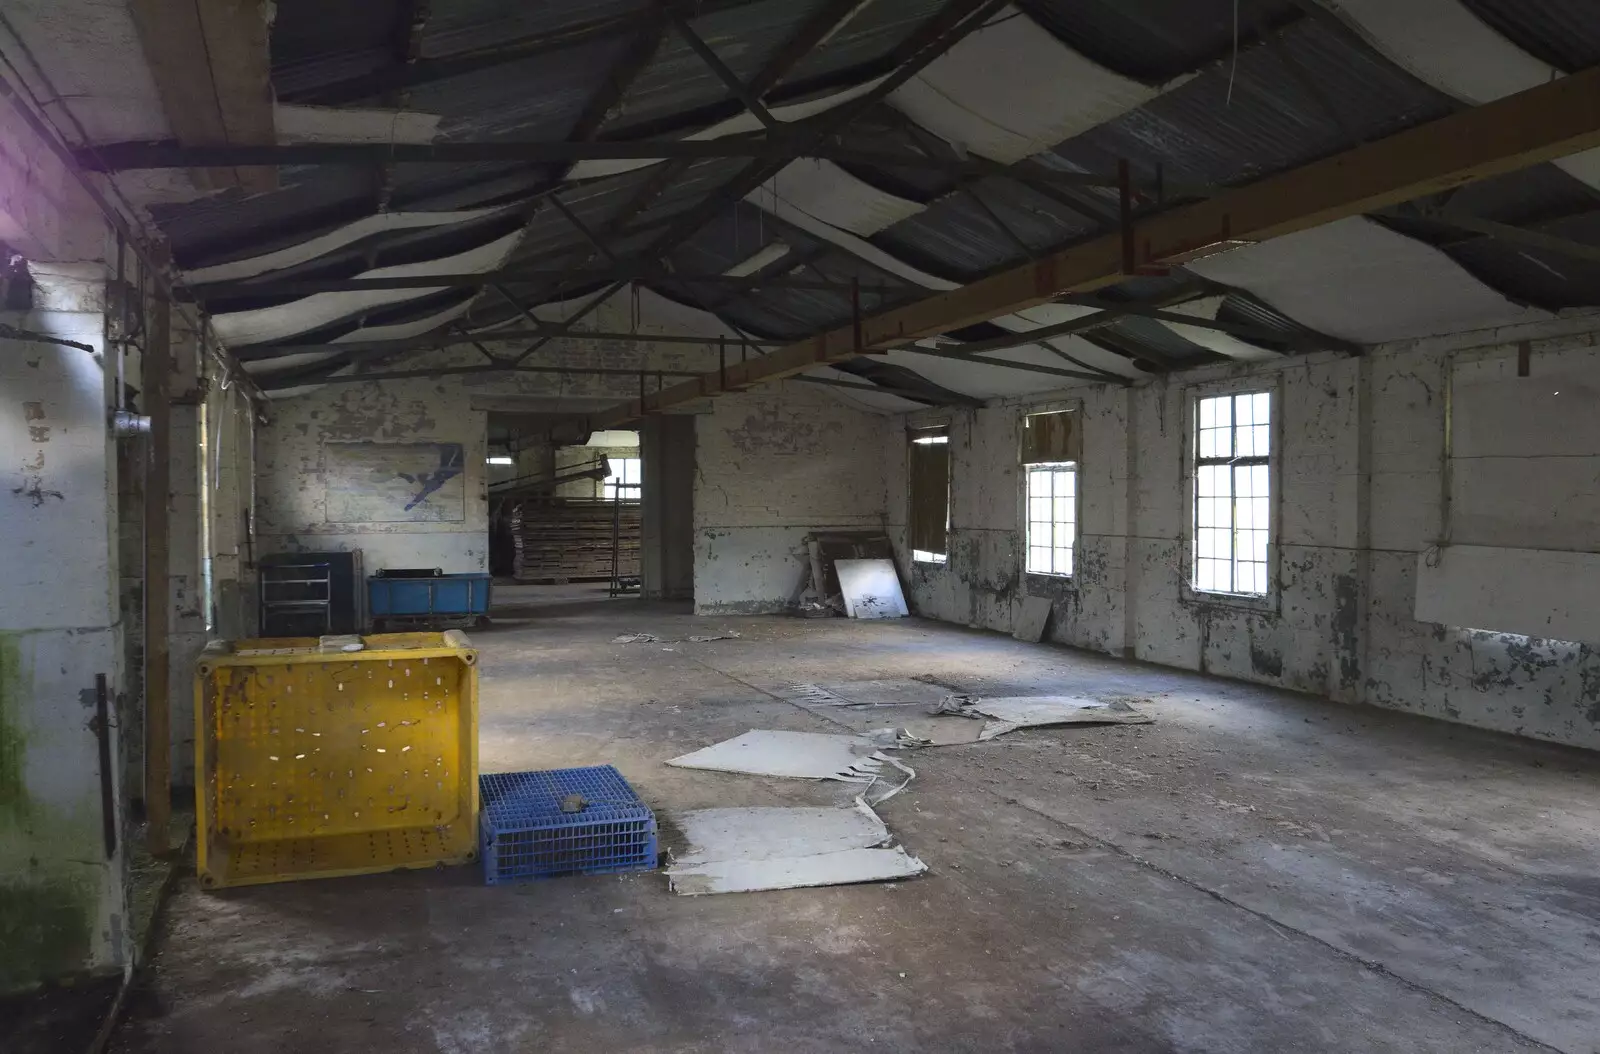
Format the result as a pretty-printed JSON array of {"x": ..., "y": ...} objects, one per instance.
[
  {"x": 666, "y": 556},
  {"x": 186, "y": 547},
  {"x": 62, "y": 866}
]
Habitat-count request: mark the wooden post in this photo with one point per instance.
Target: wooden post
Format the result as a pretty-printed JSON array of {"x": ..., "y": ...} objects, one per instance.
[{"x": 157, "y": 592}]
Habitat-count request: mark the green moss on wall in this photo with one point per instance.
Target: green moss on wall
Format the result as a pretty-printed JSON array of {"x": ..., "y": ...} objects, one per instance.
[
  {"x": 46, "y": 929},
  {"x": 49, "y": 902},
  {"x": 14, "y": 686}
]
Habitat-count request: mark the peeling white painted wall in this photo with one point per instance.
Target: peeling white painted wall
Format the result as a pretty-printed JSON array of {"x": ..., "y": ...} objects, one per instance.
[
  {"x": 63, "y": 907},
  {"x": 292, "y": 473},
  {"x": 772, "y": 465},
  {"x": 1362, "y": 457}
]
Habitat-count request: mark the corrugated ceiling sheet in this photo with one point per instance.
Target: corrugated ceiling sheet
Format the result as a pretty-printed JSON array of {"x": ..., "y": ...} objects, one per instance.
[
  {"x": 1565, "y": 33},
  {"x": 533, "y": 98},
  {"x": 1538, "y": 276},
  {"x": 1155, "y": 40},
  {"x": 678, "y": 81},
  {"x": 872, "y": 32},
  {"x": 229, "y": 224},
  {"x": 1203, "y": 132},
  {"x": 955, "y": 238},
  {"x": 320, "y": 42},
  {"x": 457, "y": 26},
  {"x": 1528, "y": 194}
]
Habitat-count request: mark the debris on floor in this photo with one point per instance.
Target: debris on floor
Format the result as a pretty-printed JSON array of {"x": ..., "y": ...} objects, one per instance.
[
  {"x": 823, "y": 595},
  {"x": 651, "y": 638},
  {"x": 751, "y": 849},
  {"x": 1039, "y": 711},
  {"x": 808, "y": 755},
  {"x": 871, "y": 589}
]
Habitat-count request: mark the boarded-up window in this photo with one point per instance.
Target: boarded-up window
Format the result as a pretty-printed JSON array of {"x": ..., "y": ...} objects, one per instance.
[
  {"x": 1050, "y": 471},
  {"x": 1050, "y": 438},
  {"x": 930, "y": 494}
]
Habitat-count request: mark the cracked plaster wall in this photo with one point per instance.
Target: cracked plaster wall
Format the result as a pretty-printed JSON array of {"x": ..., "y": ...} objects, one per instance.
[
  {"x": 772, "y": 465},
  {"x": 63, "y": 907},
  {"x": 1361, "y": 457},
  {"x": 293, "y": 478}
]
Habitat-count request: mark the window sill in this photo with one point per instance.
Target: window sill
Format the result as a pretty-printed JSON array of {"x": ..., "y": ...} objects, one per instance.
[{"x": 1266, "y": 603}]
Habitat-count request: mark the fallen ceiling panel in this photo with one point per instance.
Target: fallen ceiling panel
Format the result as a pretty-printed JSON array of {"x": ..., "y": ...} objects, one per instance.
[{"x": 1358, "y": 280}]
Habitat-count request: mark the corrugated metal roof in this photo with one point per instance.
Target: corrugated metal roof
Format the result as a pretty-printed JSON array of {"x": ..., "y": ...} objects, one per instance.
[
  {"x": 678, "y": 81},
  {"x": 462, "y": 26},
  {"x": 232, "y": 224},
  {"x": 1537, "y": 276},
  {"x": 1231, "y": 126},
  {"x": 1156, "y": 40},
  {"x": 532, "y": 98},
  {"x": 1311, "y": 90},
  {"x": 1565, "y": 33},
  {"x": 321, "y": 42},
  {"x": 874, "y": 29}
]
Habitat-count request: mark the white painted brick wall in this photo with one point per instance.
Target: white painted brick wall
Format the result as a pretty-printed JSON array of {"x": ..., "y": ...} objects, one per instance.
[
  {"x": 1341, "y": 621},
  {"x": 774, "y": 464}
]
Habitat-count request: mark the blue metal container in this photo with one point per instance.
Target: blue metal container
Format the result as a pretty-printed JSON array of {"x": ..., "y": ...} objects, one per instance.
[{"x": 441, "y": 597}]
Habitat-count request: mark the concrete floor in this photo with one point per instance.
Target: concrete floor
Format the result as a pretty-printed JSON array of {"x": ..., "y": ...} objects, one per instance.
[{"x": 1256, "y": 871}]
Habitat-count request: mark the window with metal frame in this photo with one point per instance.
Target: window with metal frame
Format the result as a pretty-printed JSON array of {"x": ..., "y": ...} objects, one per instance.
[
  {"x": 1050, "y": 472},
  {"x": 1232, "y": 493},
  {"x": 929, "y": 526},
  {"x": 625, "y": 480}
]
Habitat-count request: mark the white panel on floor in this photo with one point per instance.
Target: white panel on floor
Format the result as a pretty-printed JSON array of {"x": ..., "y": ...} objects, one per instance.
[
  {"x": 1361, "y": 281},
  {"x": 1534, "y": 592},
  {"x": 1012, "y": 89}
]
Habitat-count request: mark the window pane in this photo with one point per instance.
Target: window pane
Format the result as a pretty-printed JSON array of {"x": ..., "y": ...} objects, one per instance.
[
  {"x": 1039, "y": 509},
  {"x": 1263, "y": 440},
  {"x": 1038, "y": 483},
  {"x": 1242, "y": 405},
  {"x": 1262, "y": 413},
  {"x": 1039, "y": 561},
  {"x": 1217, "y": 412},
  {"x": 1066, "y": 482},
  {"x": 1213, "y": 481},
  {"x": 1063, "y": 561},
  {"x": 1063, "y": 510}
]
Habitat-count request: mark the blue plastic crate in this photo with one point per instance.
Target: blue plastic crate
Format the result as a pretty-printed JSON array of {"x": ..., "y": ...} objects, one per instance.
[
  {"x": 526, "y": 835},
  {"x": 438, "y": 596}
]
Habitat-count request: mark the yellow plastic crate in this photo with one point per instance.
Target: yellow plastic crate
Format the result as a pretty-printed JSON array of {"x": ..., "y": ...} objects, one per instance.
[{"x": 315, "y": 762}]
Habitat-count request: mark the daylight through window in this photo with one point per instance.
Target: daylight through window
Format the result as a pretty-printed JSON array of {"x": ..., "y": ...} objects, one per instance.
[
  {"x": 623, "y": 484},
  {"x": 1050, "y": 461},
  {"x": 1232, "y": 515}
]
